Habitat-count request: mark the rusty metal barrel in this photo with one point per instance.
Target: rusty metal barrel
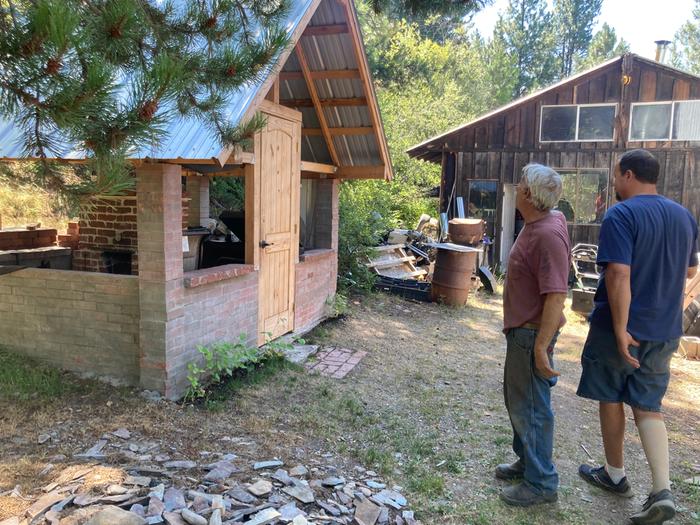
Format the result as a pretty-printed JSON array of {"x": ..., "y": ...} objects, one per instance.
[{"x": 452, "y": 277}]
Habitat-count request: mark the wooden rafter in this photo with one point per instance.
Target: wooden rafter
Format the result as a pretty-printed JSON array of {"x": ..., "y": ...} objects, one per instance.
[
  {"x": 307, "y": 103},
  {"x": 362, "y": 130},
  {"x": 331, "y": 73},
  {"x": 317, "y": 167},
  {"x": 330, "y": 29},
  {"x": 311, "y": 86},
  {"x": 361, "y": 172}
]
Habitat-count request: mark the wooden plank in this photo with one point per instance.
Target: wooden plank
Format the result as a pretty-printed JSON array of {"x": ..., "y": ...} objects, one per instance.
[
  {"x": 361, "y": 172},
  {"x": 361, "y": 130},
  {"x": 317, "y": 167},
  {"x": 582, "y": 92},
  {"x": 385, "y": 263},
  {"x": 613, "y": 86},
  {"x": 692, "y": 290},
  {"x": 481, "y": 164},
  {"x": 596, "y": 90},
  {"x": 252, "y": 211},
  {"x": 647, "y": 86},
  {"x": 664, "y": 86},
  {"x": 311, "y": 86},
  {"x": 321, "y": 74},
  {"x": 323, "y": 30}
]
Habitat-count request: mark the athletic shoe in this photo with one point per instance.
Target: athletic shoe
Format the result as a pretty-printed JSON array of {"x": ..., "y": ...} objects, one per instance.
[
  {"x": 599, "y": 477},
  {"x": 658, "y": 508}
]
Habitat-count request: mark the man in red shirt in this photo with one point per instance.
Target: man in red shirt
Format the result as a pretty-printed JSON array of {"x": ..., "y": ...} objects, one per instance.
[{"x": 533, "y": 301}]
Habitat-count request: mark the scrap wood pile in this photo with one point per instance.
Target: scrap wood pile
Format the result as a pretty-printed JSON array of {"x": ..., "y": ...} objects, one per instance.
[
  {"x": 417, "y": 265},
  {"x": 152, "y": 488}
]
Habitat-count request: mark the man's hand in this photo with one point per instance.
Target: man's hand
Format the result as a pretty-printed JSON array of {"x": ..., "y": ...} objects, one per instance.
[
  {"x": 542, "y": 366},
  {"x": 624, "y": 341}
]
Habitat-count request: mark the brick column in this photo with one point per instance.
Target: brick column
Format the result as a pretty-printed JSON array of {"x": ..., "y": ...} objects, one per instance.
[
  {"x": 326, "y": 213},
  {"x": 198, "y": 190},
  {"x": 159, "y": 223}
]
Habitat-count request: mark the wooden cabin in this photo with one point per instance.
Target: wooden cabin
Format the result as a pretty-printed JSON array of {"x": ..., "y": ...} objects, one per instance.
[
  {"x": 137, "y": 299},
  {"x": 579, "y": 127}
]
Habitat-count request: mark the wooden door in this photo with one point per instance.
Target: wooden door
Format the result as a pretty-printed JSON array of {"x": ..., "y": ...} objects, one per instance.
[{"x": 279, "y": 165}]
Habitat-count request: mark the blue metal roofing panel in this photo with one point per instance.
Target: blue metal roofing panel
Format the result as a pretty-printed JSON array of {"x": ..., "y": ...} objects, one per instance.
[{"x": 185, "y": 137}]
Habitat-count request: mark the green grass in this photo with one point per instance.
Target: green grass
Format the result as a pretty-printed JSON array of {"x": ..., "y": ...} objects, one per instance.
[{"x": 22, "y": 378}]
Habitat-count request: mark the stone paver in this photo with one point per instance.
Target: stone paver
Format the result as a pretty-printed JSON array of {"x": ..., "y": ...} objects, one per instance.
[{"x": 335, "y": 362}]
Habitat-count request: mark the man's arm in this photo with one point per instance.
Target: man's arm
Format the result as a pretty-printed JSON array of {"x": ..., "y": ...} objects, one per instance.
[
  {"x": 551, "y": 315},
  {"x": 692, "y": 272},
  {"x": 617, "y": 283}
]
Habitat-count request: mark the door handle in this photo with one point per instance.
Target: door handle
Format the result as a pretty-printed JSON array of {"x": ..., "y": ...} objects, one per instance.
[{"x": 265, "y": 244}]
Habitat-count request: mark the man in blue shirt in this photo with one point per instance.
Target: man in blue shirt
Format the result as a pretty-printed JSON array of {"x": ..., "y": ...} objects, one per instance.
[{"x": 647, "y": 248}]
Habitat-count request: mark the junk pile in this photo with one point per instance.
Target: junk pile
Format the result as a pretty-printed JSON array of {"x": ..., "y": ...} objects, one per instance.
[
  {"x": 584, "y": 277},
  {"x": 433, "y": 262}
]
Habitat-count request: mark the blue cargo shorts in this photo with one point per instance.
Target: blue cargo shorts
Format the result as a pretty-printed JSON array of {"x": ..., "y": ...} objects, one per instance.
[{"x": 607, "y": 377}]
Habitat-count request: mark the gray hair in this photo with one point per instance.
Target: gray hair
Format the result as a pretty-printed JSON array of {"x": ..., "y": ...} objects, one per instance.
[{"x": 544, "y": 184}]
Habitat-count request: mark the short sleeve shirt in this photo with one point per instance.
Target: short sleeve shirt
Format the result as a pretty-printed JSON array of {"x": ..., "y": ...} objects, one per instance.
[
  {"x": 538, "y": 265},
  {"x": 657, "y": 238}
]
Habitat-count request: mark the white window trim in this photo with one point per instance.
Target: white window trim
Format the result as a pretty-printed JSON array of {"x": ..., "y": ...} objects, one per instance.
[
  {"x": 670, "y": 127},
  {"x": 578, "y": 112}
]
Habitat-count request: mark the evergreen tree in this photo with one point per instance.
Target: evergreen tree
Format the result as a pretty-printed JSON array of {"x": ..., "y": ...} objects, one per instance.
[
  {"x": 109, "y": 75},
  {"x": 435, "y": 19},
  {"x": 604, "y": 46},
  {"x": 574, "y": 20},
  {"x": 525, "y": 35},
  {"x": 685, "y": 51}
]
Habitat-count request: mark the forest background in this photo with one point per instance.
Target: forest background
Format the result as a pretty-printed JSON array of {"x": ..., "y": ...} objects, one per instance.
[{"x": 433, "y": 71}]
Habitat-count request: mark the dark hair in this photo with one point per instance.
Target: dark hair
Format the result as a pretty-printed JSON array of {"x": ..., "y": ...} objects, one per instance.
[{"x": 642, "y": 163}]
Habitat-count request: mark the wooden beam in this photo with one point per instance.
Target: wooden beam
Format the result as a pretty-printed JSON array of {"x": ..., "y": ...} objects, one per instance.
[
  {"x": 361, "y": 172},
  {"x": 318, "y": 75},
  {"x": 317, "y": 167},
  {"x": 311, "y": 86},
  {"x": 330, "y": 29},
  {"x": 235, "y": 172},
  {"x": 363, "y": 130},
  {"x": 307, "y": 103}
]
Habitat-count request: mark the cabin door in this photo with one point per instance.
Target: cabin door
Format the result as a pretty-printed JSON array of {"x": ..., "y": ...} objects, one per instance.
[
  {"x": 280, "y": 177},
  {"x": 507, "y": 233}
]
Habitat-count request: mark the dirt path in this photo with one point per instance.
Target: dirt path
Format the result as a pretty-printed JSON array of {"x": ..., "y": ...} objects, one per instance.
[{"x": 424, "y": 409}]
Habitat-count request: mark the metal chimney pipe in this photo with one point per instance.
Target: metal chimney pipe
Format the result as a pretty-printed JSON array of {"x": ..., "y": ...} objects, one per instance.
[{"x": 661, "y": 48}]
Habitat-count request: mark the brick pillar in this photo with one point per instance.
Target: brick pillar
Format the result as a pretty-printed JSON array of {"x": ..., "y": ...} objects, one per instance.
[
  {"x": 326, "y": 213},
  {"x": 159, "y": 223},
  {"x": 198, "y": 190}
]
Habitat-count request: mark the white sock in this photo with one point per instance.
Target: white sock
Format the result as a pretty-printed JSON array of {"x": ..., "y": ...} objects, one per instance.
[
  {"x": 616, "y": 474},
  {"x": 652, "y": 433}
]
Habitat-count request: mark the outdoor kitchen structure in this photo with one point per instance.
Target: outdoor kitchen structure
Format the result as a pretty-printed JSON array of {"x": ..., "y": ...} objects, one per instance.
[
  {"x": 579, "y": 127},
  {"x": 148, "y": 282}
]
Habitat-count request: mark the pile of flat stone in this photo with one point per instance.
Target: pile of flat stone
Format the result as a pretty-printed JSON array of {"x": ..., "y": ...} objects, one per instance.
[{"x": 225, "y": 490}]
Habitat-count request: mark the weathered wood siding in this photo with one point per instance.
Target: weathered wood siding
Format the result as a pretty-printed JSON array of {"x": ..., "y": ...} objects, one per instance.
[{"x": 497, "y": 148}]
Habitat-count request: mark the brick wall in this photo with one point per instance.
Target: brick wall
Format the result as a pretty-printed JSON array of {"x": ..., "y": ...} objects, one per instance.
[
  {"x": 109, "y": 224},
  {"x": 316, "y": 277},
  {"x": 218, "y": 311},
  {"x": 84, "y": 322},
  {"x": 25, "y": 239}
]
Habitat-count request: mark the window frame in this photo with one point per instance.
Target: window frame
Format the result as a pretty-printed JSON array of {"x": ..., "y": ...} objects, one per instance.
[
  {"x": 670, "y": 127},
  {"x": 578, "y": 114},
  {"x": 606, "y": 172}
]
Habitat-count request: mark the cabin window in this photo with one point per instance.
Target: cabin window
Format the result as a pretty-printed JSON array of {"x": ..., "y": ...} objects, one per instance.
[
  {"x": 686, "y": 120},
  {"x": 578, "y": 123},
  {"x": 585, "y": 195},
  {"x": 651, "y": 121},
  {"x": 679, "y": 120}
]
